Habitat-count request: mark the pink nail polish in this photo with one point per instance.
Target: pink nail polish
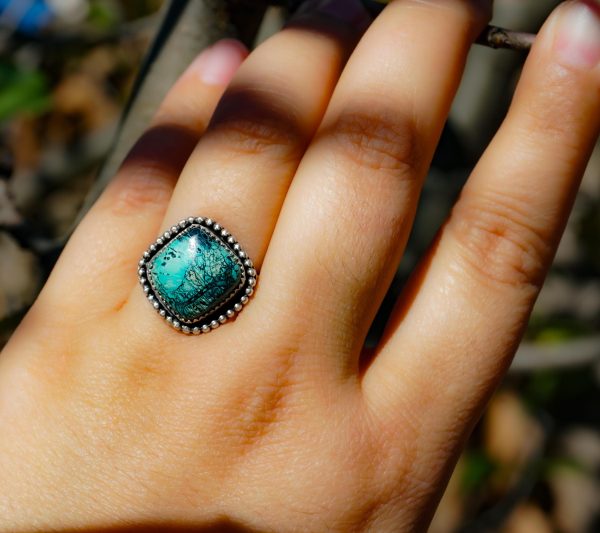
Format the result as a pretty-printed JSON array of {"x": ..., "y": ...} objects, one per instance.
[
  {"x": 218, "y": 64},
  {"x": 578, "y": 34}
]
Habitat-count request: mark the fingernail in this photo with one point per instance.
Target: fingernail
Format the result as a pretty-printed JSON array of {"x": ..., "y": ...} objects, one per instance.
[
  {"x": 351, "y": 12},
  {"x": 578, "y": 34},
  {"x": 218, "y": 64}
]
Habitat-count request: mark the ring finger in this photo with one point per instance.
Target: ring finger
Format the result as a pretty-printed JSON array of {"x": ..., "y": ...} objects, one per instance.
[{"x": 240, "y": 171}]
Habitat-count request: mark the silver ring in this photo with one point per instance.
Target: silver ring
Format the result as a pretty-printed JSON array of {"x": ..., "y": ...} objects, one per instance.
[{"x": 197, "y": 276}]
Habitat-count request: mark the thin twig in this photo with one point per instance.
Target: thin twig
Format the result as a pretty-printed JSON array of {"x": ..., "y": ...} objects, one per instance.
[{"x": 496, "y": 37}]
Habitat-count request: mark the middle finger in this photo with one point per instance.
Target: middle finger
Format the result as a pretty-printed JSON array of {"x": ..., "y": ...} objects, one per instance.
[{"x": 348, "y": 213}]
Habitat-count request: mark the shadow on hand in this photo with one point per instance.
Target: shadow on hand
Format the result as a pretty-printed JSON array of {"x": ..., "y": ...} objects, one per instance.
[{"x": 223, "y": 526}]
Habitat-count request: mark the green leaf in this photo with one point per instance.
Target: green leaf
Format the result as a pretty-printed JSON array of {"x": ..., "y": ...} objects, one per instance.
[
  {"x": 103, "y": 16},
  {"x": 556, "y": 329},
  {"x": 542, "y": 387},
  {"x": 22, "y": 91},
  {"x": 478, "y": 467}
]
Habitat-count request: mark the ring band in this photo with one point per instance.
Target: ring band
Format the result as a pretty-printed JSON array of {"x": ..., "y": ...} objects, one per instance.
[{"x": 197, "y": 276}]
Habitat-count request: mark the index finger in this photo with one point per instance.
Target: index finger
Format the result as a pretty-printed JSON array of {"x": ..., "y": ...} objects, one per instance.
[{"x": 454, "y": 334}]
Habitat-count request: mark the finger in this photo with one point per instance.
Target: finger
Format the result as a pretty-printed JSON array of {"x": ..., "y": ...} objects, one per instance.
[
  {"x": 241, "y": 169},
  {"x": 97, "y": 263},
  {"x": 454, "y": 333},
  {"x": 347, "y": 215}
]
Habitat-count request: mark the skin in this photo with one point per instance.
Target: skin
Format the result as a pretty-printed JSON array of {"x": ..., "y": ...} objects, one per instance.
[{"x": 112, "y": 421}]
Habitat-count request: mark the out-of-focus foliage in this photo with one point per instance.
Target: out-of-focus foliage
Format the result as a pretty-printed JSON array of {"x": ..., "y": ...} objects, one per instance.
[
  {"x": 22, "y": 91},
  {"x": 66, "y": 70}
]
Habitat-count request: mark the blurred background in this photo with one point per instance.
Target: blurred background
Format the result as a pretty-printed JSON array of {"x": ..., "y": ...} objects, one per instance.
[{"x": 78, "y": 81}]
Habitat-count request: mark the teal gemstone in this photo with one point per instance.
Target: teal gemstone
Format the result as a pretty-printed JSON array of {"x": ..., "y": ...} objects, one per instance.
[{"x": 195, "y": 273}]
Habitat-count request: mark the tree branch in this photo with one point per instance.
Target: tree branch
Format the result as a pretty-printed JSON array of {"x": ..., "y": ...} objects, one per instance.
[{"x": 496, "y": 37}]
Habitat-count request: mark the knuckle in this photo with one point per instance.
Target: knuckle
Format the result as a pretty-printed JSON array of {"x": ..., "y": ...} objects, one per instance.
[
  {"x": 373, "y": 142},
  {"x": 254, "y": 121},
  {"x": 150, "y": 170},
  {"x": 550, "y": 124},
  {"x": 249, "y": 137},
  {"x": 557, "y": 114},
  {"x": 143, "y": 188},
  {"x": 255, "y": 138},
  {"x": 500, "y": 243}
]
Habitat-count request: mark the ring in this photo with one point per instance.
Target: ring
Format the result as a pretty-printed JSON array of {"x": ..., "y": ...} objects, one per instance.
[{"x": 197, "y": 276}]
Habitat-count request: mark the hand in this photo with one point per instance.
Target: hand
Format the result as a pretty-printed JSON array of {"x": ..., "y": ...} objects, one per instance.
[{"x": 276, "y": 421}]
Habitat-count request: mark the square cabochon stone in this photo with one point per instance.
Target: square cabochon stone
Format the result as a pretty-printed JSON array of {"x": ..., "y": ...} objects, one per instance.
[{"x": 195, "y": 273}]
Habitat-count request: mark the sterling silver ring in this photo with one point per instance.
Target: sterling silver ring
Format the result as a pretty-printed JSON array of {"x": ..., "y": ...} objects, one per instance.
[{"x": 197, "y": 276}]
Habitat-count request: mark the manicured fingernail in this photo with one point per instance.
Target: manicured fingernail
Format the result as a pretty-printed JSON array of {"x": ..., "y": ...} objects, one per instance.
[
  {"x": 218, "y": 64},
  {"x": 578, "y": 34},
  {"x": 351, "y": 12}
]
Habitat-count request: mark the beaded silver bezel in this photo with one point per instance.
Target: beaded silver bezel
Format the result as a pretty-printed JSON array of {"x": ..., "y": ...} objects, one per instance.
[{"x": 227, "y": 309}]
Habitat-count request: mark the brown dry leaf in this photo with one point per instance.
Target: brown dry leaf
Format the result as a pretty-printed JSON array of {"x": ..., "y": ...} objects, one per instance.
[
  {"x": 528, "y": 519},
  {"x": 449, "y": 514},
  {"x": 80, "y": 96},
  {"x": 24, "y": 143},
  {"x": 577, "y": 499},
  {"x": 19, "y": 275},
  {"x": 511, "y": 436}
]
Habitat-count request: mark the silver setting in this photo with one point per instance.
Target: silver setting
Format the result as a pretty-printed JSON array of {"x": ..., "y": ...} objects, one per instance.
[{"x": 229, "y": 308}]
